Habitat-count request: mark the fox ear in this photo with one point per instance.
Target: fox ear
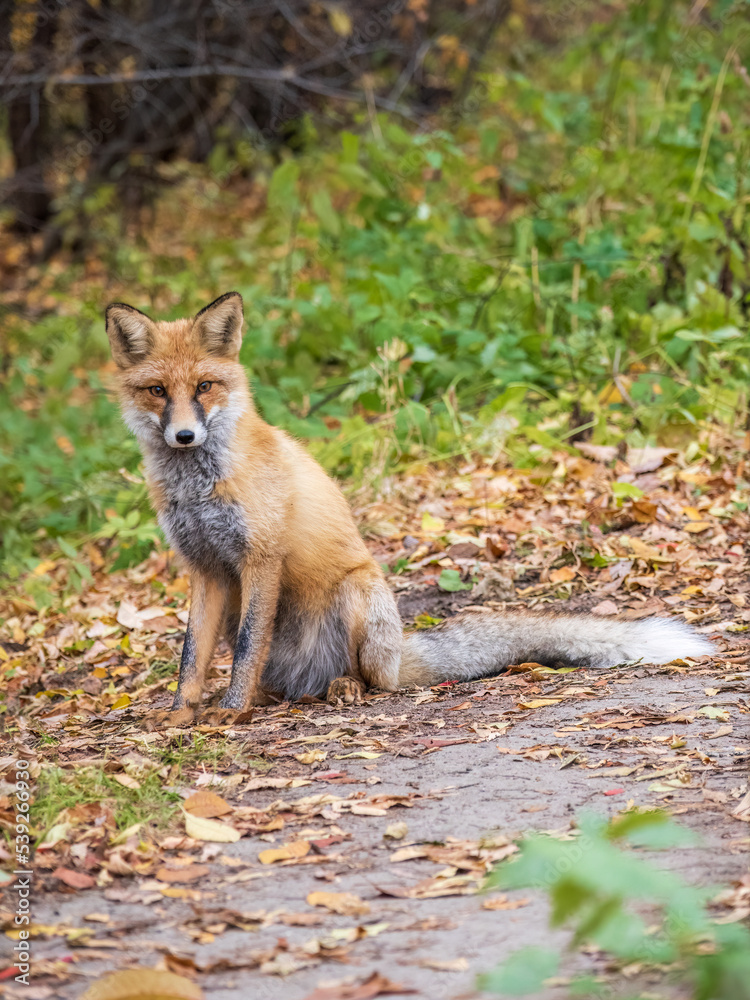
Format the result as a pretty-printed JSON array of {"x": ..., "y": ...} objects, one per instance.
[
  {"x": 218, "y": 327},
  {"x": 130, "y": 332}
]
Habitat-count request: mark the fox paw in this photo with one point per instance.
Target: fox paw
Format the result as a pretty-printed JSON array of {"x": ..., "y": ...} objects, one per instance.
[
  {"x": 225, "y": 716},
  {"x": 175, "y": 718},
  {"x": 345, "y": 691}
]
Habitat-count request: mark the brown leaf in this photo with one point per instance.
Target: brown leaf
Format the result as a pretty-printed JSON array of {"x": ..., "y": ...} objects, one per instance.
[
  {"x": 647, "y": 459},
  {"x": 76, "y": 880},
  {"x": 143, "y": 984},
  {"x": 190, "y": 874},
  {"x": 598, "y": 452},
  {"x": 126, "y": 781},
  {"x": 742, "y": 809},
  {"x": 644, "y": 512},
  {"x": 375, "y": 985},
  {"x": 604, "y": 608},
  {"x": 297, "y": 849},
  {"x": 345, "y": 903},
  {"x": 430, "y": 888},
  {"x": 206, "y": 804},
  {"x": 562, "y": 575},
  {"x": 503, "y": 903}
]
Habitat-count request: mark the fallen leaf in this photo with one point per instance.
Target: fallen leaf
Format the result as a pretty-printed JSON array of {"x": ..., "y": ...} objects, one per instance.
[
  {"x": 206, "y": 804},
  {"x": 76, "y": 880},
  {"x": 143, "y": 984},
  {"x": 432, "y": 525},
  {"x": 503, "y": 903},
  {"x": 125, "y": 780},
  {"x": 647, "y": 459},
  {"x": 562, "y": 575},
  {"x": 604, "y": 608},
  {"x": 375, "y": 985},
  {"x": 539, "y": 703},
  {"x": 296, "y": 849},
  {"x": 445, "y": 964},
  {"x": 344, "y": 903},
  {"x": 311, "y": 756},
  {"x": 714, "y": 712},
  {"x": 742, "y": 809},
  {"x": 210, "y": 830},
  {"x": 191, "y": 873},
  {"x": 396, "y": 831}
]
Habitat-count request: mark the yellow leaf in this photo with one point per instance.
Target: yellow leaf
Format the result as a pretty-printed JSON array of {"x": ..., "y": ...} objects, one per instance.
[
  {"x": 100, "y": 672},
  {"x": 297, "y": 849},
  {"x": 539, "y": 703},
  {"x": 695, "y": 527},
  {"x": 364, "y": 754},
  {"x": 345, "y": 903},
  {"x": 122, "y": 702},
  {"x": 562, "y": 575},
  {"x": 143, "y": 984},
  {"x": 200, "y": 828},
  {"x": 714, "y": 712},
  {"x": 692, "y": 513},
  {"x": 44, "y": 567},
  {"x": 178, "y": 892},
  {"x": 611, "y": 394},
  {"x": 431, "y": 524},
  {"x": 311, "y": 757},
  {"x": 340, "y": 21},
  {"x": 642, "y": 551}
]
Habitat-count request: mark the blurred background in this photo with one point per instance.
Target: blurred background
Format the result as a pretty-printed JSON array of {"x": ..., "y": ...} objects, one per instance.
[{"x": 497, "y": 228}]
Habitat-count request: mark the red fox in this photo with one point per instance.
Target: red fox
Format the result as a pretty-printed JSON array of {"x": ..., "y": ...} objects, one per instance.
[{"x": 277, "y": 564}]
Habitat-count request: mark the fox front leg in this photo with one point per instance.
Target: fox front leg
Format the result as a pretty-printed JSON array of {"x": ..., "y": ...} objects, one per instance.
[
  {"x": 207, "y": 604},
  {"x": 260, "y": 593}
]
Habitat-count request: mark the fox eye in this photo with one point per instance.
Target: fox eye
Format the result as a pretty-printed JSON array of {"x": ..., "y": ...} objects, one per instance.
[
  {"x": 204, "y": 386},
  {"x": 157, "y": 390}
]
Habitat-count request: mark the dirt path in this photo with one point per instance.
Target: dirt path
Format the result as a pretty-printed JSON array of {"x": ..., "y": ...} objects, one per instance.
[
  {"x": 453, "y": 775},
  {"x": 244, "y": 928}
]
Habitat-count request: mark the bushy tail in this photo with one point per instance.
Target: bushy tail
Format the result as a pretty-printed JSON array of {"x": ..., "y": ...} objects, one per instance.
[{"x": 481, "y": 642}]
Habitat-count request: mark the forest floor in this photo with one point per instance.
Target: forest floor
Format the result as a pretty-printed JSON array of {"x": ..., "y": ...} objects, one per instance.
[{"x": 354, "y": 840}]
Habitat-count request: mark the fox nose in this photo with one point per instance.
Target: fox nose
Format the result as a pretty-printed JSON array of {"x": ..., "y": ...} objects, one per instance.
[{"x": 185, "y": 437}]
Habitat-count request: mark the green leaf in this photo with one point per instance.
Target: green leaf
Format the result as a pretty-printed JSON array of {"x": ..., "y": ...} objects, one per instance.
[
  {"x": 282, "y": 191},
  {"x": 329, "y": 219},
  {"x": 523, "y": 973},
  {"x": 450, "y": 580},
  {"x": 626, "y": 491}
]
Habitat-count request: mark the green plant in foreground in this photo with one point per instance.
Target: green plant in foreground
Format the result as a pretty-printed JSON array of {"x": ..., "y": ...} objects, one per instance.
[{"x": 593, "y": 885}]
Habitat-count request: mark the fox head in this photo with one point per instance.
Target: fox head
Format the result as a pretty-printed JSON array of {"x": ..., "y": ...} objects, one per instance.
[{"x": 180, "y": 383}]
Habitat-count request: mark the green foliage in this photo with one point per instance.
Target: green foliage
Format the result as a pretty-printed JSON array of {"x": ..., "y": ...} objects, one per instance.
[
  {"x": 450, "y": 580},
  {"x": 567, "y": 250},
  {"x": 59, "y": 789},
  {"x": 594, "y": 885}
]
